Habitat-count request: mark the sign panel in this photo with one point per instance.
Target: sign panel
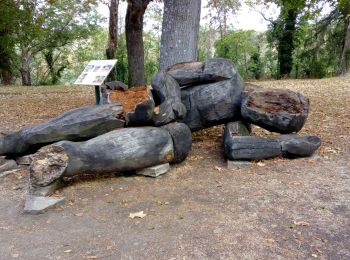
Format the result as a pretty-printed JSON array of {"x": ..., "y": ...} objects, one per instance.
[{"x": 95, "y": 72}]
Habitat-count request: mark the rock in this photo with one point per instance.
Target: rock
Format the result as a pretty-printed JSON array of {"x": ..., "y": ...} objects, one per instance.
[
  {"x": 116, "y": 85},
  {"x": 154, "y": 171},
  {"x": 251, "y": 148},
  {"x": 166, "y": 93},
  {"x": 38, "y": 204},
  {"x": 77, "y": 124},
  {"x": 2, "y": 159},
  {"x": 8, "y": 165},
  {"x": 212, "y": 104},
  {"x": 24, "y": 160},
  {"x": 182, "y": 140},
  {"x": 298, "y": 146},
  {"x": 46, "y": 190},
  {"x": 198, "y": 73},
  {"x": 277, "y": 110},
  {"x": 238, "y": 164}
]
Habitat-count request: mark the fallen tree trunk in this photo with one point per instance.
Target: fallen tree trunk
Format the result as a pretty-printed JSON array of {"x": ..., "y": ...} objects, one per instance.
[
  {"x": 75, "y": 125},
  {"x": 212, "y": 104}
]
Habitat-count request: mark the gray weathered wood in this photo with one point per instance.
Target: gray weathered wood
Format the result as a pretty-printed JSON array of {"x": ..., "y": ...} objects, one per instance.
[
  {"x": 277, "y": 110},
  {"x": 166, "y": 93},
  {"x": 197, "y": 73},
  {"x": 251, "y": 148},
  {"x": 78, "y": 124},
  {"x": 212, "y": 104},
  {"x": 119, "y": 150},
  {"x": 294, "y": 146},
  {"x": 182, "y": 140}
]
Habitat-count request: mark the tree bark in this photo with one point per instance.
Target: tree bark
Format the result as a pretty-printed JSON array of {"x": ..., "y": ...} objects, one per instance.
[
  {"x": 113, "y": 30},
  {"x": 6, "y": 77},
  {"x": 134, "y": 41},
  {"x": 25, "y": 68},
  {"x": 180, "y": 31},
  {"x": 345, "y": 57}
]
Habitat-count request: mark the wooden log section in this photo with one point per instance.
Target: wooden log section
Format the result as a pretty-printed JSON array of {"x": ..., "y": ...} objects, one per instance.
[
  {"x": 212, "y": 104},
  {"x": 277, "y": 110},
  {"x": 75, "y": 125},
  {"x": 119, "y": 150},
  {"x": 199, "y": 73},
  {"x": 138, "y": 105}
]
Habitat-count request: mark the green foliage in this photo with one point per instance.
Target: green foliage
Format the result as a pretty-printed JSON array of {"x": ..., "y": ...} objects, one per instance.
[{"x": 243, "y": 48}]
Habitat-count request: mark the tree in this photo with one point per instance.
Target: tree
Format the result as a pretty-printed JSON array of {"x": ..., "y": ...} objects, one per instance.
[
  {"x": 45, "y": 25},
  {"x": 344, "y": 8},
  {"x": 243, "y": 48},
  {"x": 134, "y": 40},
  {"x": 219, "y": 13},
  {"x": 7, "y": 40},
  {"x": 179, "y": 40},
  {"x": 112, "y": 43}
]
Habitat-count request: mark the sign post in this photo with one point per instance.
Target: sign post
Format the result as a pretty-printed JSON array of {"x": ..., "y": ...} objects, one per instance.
[{"x": 94, "y": 74}]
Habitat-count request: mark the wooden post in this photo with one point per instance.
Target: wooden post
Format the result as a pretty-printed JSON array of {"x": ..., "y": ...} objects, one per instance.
[{"x": 97, "y": 94}]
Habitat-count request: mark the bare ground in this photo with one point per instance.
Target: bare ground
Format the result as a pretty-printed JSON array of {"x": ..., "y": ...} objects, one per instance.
[{"x": 277, "y": 209}]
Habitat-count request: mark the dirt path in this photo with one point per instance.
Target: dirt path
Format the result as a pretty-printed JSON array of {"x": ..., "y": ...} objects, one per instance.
[{"x": 282, "y": 209}]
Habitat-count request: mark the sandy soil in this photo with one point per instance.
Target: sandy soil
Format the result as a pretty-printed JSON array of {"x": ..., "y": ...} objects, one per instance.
[{"x": 277, "y": 209}]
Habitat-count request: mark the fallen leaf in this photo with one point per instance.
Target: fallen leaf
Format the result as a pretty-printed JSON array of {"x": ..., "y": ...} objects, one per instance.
[
  {"x": 301, "y": 223},
  {"x": 67, "y": 251},
  {"x": 218, "y": 168},
  {"x": 261, "y": 164},
  {"x": 79, "y": 214},
  {"x": 314, "y": 255},
  {"x": 137, "y": 215},
  {"x": 91, "y": 257},
  {"x": 15, "y": 255}
]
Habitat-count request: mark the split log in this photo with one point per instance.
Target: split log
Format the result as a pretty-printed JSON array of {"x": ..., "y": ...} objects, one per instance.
[
  {"x": 75, "y": 125},
  {"x": 197, "y": 73},
  {"x": 294, "y": 146},
  {"x": 212, "y": 104},
  {"x": 166, "y": 93},
  {"x": 120, "y": 150},
  {"x": 277, "y": 110},
  {"x": 251, "y": 148}
]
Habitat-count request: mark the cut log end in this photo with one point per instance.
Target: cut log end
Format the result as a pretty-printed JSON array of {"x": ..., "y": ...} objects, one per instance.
[
  {"x": 48, "y": 165},
  {"x": 277, "y": 101}
]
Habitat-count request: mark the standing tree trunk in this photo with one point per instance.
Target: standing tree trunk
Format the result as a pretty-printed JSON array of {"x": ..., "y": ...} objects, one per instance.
[
  {"x": 25, "y": 68},
  {"x": 286, "y": 44},
  {"x": 180, "y": 31},
  {"x": 112, "y": 43},
  {"x": 345, "y": 57},
  {"x": 113, "y": 30},
  {"x": 134, "y": 40}
]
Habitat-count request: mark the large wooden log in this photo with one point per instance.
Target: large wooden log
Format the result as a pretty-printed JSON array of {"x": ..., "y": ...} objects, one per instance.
[
  {"x": 251, "y": 148},
  {"x": 277, "y": 110},
  {"x": 212, "y": 104},
  {"x": 197, "y": 73},
  {"x": 119, "y": 150},
  {"x": 75, "y": 125}
]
